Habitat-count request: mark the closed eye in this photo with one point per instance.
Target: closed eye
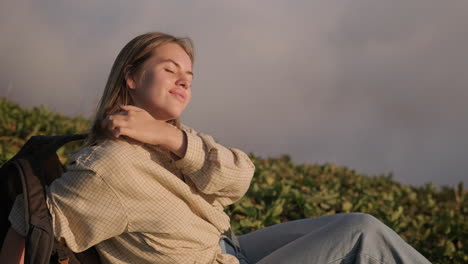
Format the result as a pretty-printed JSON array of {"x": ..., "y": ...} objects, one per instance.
[{"x": 169, "y": 70}]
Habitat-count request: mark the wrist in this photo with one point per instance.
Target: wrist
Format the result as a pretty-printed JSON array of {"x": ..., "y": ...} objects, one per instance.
[{"x": 175, "y": 140}]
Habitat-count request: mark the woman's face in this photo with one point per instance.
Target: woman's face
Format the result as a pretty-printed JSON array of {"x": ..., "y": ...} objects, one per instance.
[{"x": 169, "y": 74}]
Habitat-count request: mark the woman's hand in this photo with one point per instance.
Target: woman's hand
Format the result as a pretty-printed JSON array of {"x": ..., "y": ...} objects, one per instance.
[
  {"x": 13, "y": 248},
  {"x": 138, "y": 124}
]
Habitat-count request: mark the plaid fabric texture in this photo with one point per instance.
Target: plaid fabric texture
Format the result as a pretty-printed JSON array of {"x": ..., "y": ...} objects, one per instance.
[{"x": 136, "y": 204}]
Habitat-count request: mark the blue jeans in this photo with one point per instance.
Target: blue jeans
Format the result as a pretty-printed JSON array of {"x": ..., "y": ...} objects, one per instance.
[
  {"x": 330, "y": 239},
  {"x": 229, "y": 247}
]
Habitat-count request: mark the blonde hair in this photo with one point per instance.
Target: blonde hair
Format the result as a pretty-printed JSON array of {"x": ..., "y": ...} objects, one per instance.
[{"x": 131, "y": 59}]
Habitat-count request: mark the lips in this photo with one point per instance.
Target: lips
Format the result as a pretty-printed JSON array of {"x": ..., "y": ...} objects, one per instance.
[{"x": 178, "y": 93}]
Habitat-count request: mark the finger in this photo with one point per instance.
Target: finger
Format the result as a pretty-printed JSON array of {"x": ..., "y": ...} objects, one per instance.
[
  {"x": 131, "y": 107},
  {"x": 107, "y": 123},
  {"x": 113, "y": 132},
  {"x": 120, "y": 131},
  {"x": 116, "y": 132},
  {"x": 118, "y": 120},
  {"x": 122, "y": 112}
]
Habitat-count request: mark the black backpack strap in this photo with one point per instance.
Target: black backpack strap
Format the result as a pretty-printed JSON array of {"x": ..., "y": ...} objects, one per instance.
[
  {"x": 31, "y": 162},
  {"x": 40, "y": 152},
  {"x": 37, "y": 217},
  {"x": 35, "y": 166}
]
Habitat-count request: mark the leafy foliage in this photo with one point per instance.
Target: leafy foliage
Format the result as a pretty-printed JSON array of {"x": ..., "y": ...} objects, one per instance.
[
  {"x": 431, "y": 220},
  {"x": 17, "y": 125}
]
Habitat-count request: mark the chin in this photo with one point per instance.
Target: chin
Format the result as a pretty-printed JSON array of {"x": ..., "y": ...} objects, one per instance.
[
  {"x": 172, "y": 116},
  {"x": 165, "y": 113},
  {"x": 175, "y": 113}
]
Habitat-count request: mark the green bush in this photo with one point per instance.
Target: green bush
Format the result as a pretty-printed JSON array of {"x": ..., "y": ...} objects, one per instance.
[
  {"x": 17, "y": 125},
  {"x": 432, "y": 221}
]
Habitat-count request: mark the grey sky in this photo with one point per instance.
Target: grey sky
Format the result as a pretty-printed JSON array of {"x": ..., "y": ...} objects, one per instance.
[{"x": 377, "y": 86}]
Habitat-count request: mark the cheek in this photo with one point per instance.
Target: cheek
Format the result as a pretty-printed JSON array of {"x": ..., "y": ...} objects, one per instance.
[{"x": 153, "y": 85}]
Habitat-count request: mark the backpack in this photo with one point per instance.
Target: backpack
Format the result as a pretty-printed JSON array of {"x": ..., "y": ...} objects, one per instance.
[{"x": 28, "y": 172}]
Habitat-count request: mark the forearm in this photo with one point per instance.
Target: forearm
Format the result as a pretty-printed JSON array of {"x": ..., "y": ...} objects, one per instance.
[
  {"x": 214, "y": 168},
  {"x": 13, "y": 248}
]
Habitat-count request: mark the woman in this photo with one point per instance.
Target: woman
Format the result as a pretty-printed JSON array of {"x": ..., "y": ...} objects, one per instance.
[{"x": 146, "y": 188}]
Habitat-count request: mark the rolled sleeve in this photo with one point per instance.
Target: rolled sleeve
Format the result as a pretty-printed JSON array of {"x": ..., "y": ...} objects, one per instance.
[
  {"x": 194, "y": 157},
  {"x": 216, "y": 169}
]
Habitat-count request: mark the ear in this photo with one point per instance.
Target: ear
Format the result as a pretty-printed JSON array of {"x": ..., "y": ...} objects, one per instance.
[{"x": 128, "y": 74}]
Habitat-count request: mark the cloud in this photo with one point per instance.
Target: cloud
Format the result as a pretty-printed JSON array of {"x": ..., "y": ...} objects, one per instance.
[{"x": 376, "y": 86}]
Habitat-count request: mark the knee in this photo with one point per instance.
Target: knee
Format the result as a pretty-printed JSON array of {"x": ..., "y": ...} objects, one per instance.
[{"x": 365, "y": 221}]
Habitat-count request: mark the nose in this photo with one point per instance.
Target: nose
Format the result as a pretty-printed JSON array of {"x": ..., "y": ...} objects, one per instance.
[{"x": 184, "y": 83}]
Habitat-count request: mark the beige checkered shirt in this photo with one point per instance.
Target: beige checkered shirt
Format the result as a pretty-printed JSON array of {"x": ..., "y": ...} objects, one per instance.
[{"x": 135, "y": 204}]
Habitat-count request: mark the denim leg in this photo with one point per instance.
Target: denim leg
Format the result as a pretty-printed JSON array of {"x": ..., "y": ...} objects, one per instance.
[
  {"x": 222, "y": 245},
  {"x": 332, "y": 239},
  {"x": 228, "y": 247}
]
